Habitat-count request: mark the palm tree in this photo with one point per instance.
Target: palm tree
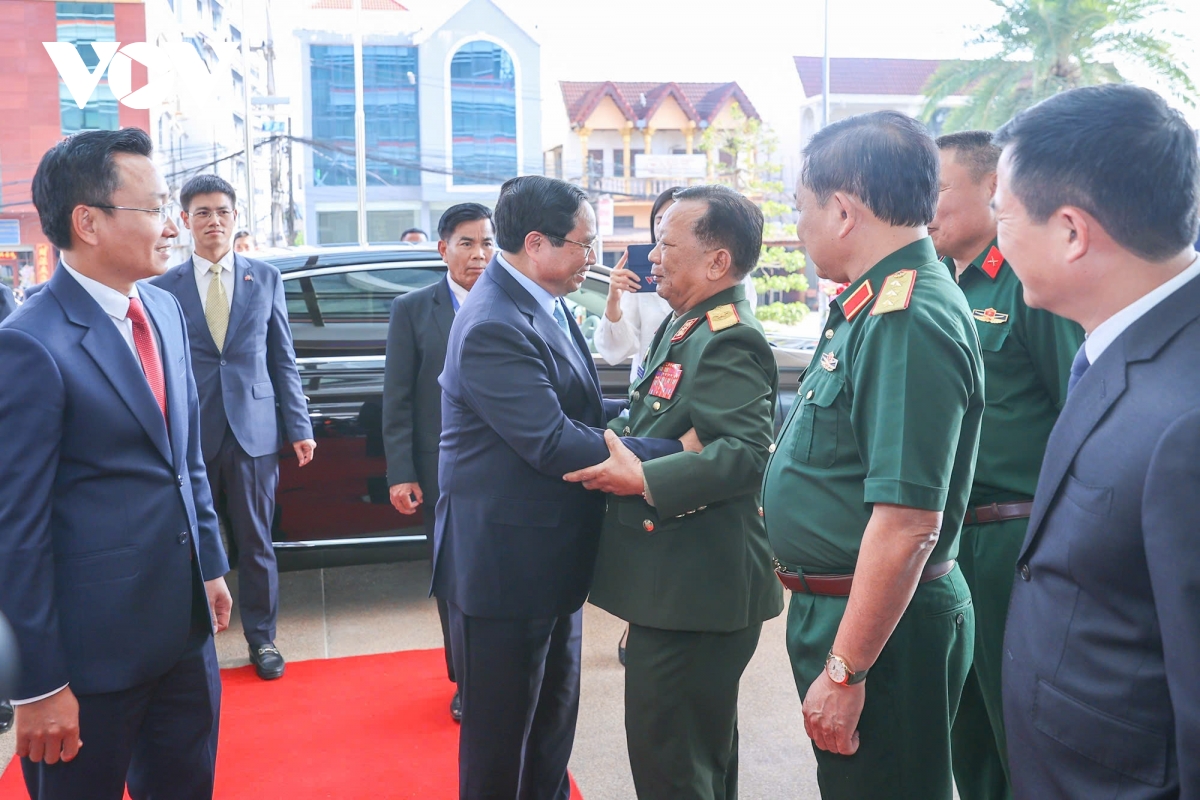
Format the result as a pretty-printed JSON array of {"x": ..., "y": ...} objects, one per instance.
[{"x": 1049, "y": 46}]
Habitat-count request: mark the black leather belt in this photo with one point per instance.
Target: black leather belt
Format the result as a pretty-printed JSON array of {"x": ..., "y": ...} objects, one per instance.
[
  {"x": 998, "y": 512},
  {"x": 839, "y": 585}
]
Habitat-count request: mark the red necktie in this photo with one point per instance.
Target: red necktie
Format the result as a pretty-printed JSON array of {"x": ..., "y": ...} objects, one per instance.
[{"x": 143, "y": 340}]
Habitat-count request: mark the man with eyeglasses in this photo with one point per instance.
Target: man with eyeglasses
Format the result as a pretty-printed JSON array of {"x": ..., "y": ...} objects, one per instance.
[
  {"x": 514, "y": 544},
  {"x": 111, "y": 565},
  {"x": 245, "y": 367}
]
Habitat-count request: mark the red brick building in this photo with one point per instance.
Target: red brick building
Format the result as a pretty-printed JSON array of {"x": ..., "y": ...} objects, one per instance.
[{"x": 36, "y": 111}]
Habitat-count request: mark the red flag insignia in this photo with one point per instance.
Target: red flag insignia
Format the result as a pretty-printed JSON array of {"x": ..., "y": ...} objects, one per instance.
[
  {"x": 682, "y": 333},
  {"x": 666, "y": 378},
  {"x": 857, "y": 301},
  {"x": 993, "y": 262}
]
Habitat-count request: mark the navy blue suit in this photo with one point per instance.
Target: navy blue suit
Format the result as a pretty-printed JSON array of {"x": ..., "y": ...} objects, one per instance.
[
  {"x": 1102, "y": 646},
  {"x": 240, "y": 386},
  {"x": 107, "y": 532},
  {"x": 7, "y": 303},
  {"x": 514, "y": 544}
]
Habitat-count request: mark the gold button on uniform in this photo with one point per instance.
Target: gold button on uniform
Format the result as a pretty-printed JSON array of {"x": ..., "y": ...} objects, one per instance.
[
  {"x": 809, "y": 395},
  {"x": 637, "y": 395},
  {"x": 771, "y": 449},
  {"x": 829, "y": 333},
  {"x": 648, "y": 525},
  {"x": 760, "y": 511},
  {"x": 626, "y": 433},
  {"x": 657, "y": 405}
]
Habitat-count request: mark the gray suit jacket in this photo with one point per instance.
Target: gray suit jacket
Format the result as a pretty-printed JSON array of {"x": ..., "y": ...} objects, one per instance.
[
  {"x": 412, "y": 398},
  {"x": 241, "y": 385},
  {"x": 1102, "y": 647},
  {"x": 7, "y": 303}
]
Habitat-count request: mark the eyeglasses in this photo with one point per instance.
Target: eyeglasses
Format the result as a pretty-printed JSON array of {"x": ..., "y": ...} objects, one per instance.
[
  {"x": 164, "y": 212},
  {"x": 588, "y": 249},
  {"x": 204, "y": 214}
]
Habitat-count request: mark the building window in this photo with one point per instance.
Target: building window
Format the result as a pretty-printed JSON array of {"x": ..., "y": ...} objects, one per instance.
[
  {"x": 623, "y": 222},
  {"x": 390, "y": 105},
  {"x": 235, "y": 36},
  {"x": 595, "y": 166},
  {"x": 239, "y": 85},
  {"x": 383, "y": 226},
  {"x": 83, "y": 24},
  {"x": 619, "y": 162},
  {"x": 553, "y": 162},
  {"x": 483, "y": 110},
  {"x": 218, "y": 14}
]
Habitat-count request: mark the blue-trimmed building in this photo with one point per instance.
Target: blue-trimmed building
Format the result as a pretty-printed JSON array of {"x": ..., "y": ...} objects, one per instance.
[{"x": 452, "y": 98}]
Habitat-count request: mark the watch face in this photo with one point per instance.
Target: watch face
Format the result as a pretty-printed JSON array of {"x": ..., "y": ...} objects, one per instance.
[{"x": 837, "y": 670}]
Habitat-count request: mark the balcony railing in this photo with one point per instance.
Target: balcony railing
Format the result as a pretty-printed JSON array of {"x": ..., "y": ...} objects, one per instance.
[{"x": 641, "y": 188}]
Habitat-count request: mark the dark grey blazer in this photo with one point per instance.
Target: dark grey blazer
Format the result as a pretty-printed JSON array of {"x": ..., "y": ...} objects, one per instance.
[
  {"x": 1102, "y": 647},
  {"x": 412, "y": 399},
  {"x": 7, "y": 303},
  {"x": 243, "y": 383}
]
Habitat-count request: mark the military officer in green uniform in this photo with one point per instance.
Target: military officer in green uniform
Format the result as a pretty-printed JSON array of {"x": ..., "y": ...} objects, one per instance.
[
  {"x": 867, "y": 486},
  {"x": 683, "y": 553},
  {"x": 1027, "y": 356}
]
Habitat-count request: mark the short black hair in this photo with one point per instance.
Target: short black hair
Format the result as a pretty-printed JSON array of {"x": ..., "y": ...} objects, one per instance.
[
  {"x": 665, "y": 197},
  {"x": 974, "y": 150},
  {"x": 413, "y": 230},
  {"x": 81, "y": 171},
  {"x": 242, "y": 234},
  {"x": 1121, "y": 154},
  {"x": 885, "y": 159},
  {"x": 534, "y": 203},
  {"x": 205, "y": 184},
  {"x": 731, "y": 222},
  {"x": 457, "y": 215}
]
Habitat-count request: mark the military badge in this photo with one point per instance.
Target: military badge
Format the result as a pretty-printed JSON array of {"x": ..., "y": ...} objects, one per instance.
[
  {"x": 682, "y": 333},
  {"x": 896, "y": 292},
  {"x": 666, "y": 378},
  {"x": 989, "y": 315},
  {"x": 829, "y": 362},
  {"x": 723, "y": 317},
  {"x": 992, "y": 263}
]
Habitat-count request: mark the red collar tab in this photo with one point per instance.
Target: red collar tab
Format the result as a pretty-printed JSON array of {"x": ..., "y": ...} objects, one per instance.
[
  {"x": 857, "y": 301},
  {"x": 684, "y": 330},
  {"x": 992, "y": 263}
]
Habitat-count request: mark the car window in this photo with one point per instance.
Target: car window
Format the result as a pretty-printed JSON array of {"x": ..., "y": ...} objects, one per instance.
[
  {"x": 356, "y": 296},
  {"x": 587, "y": 304}
]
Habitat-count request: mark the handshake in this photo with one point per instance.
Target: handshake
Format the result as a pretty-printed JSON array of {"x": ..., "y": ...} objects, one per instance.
[{"x": 621, "y": 474}]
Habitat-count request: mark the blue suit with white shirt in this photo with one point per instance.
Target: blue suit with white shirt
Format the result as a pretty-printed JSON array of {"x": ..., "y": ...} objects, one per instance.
[
  {"x": 514, "y": 544},
  {"x": 107, "y": 533},
  {"x": 1100, "y": 683},
  {"x": 250, "y": 392}
]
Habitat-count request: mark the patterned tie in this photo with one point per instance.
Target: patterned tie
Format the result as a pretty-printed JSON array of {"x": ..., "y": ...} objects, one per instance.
[
  {"x": 561, "y": 318},
  {"x": 216, "y": 308},
  {"x": 143, "y": 340},
  {"x": 1078, "y": 367}
]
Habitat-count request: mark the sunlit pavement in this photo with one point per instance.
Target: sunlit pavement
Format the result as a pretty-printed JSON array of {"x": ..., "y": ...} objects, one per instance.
[{"x": 360, "y": 610}]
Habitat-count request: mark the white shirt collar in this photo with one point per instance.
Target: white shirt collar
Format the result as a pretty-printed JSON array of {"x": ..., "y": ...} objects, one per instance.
[
  {"x": 1108, "y": 331},
  {"x": 203, "y": 265},
  {"x": 460, "y": 294},
  {"x": 115, "y": 304},
  {"x": 543, "y": 298}
]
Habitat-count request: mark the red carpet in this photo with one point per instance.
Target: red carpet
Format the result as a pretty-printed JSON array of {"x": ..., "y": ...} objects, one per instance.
[{"x": 364, "y": 727}]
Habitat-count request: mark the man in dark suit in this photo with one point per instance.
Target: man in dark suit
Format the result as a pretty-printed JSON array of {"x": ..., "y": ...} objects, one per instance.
[
  {"x": 110, "y": 554},
  {"x": 7, "y": 304},
  {"x": 247, "y": 378},
  {"x": 515, "y": 545},
  {"x": 1101, "y": 697},
  {"x": 416, "y": 353}
]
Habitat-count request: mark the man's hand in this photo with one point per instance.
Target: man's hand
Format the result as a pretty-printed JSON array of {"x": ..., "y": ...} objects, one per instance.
[
  {"x": 831, "y": 714},
  {"x": 220, "y": 603},
  {"x": 406, "y": 497},
  {"x": 48, "y": 730},
  {"x": 691, "y": 441},
  {"x": 304, "y": 450},
  {"x": 621, "y": 474}
]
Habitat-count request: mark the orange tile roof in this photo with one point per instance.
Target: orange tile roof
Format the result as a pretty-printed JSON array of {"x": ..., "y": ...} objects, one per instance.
[
  {"x": 888, "y": 76},
  {"x": 367, "y": 5},
  {"x": 639, "y": 100}
]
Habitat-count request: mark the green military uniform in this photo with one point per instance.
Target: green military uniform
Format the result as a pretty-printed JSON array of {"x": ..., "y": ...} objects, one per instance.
[
  {"x": 888, "y": 412},
  {"x": 1027, "y": 356},
  {"x": 692, "y": 573}
]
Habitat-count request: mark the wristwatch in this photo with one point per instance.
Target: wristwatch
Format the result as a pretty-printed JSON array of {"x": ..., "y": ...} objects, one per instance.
[{"x": 839, "y": 671}]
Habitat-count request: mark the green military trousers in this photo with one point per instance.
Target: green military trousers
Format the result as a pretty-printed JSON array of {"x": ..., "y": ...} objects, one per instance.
[
  {"x": 988, "y": 557},
  {"x": 912, "y": 692},
  {"x": 681, "y": 696}
]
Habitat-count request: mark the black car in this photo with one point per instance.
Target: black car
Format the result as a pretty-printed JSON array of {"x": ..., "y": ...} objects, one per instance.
[{"x": 336, "y": 510}]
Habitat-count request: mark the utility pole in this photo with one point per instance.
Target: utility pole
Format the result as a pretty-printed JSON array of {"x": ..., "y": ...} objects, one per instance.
[
  {"x": 360, "y": 126},
  {"x": 825, "y": 73},
  {"x": 276, "y": 170},
  {"x": 291, "y": 209},
  {"x": 248, "y": 125}
]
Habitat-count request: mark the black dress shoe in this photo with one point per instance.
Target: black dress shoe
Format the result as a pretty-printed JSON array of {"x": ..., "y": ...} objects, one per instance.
[
  {"x": 456, "y": 707},
  {"x": 6, "y": 715},
  {"x": 267, "y": 661},
  {"x": 621, "y": 646}
]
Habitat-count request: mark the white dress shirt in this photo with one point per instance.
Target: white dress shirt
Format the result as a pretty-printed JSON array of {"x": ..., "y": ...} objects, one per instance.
[
  {"x": 460, "y": 294},
  {"x": 1107, "y": 332},
  {"x": 116, "y": 305},
  {"x": 204, "y": 276},
  {"x": 543, "y": 298}
]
